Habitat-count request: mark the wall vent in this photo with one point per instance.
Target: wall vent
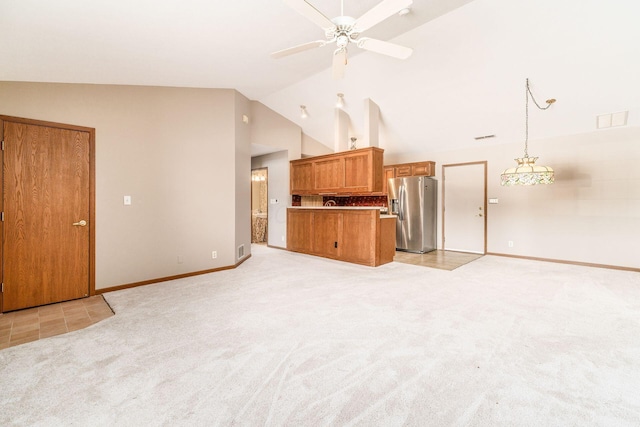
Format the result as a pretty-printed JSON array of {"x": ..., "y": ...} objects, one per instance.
[
  {"x": 611, "y": 120},
  {"x": 240, "y": 251},
  {"x": 479, "y": 138}
]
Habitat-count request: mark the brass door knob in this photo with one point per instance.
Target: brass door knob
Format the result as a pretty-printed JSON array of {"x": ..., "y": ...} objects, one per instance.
[{"x": 81, "y": 223}]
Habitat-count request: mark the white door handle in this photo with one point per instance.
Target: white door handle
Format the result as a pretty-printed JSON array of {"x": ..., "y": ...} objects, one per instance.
[{"x": 80, "y": 223}]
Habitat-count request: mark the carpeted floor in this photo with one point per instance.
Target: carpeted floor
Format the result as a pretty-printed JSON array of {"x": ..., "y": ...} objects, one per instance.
[{"x": 290, "y": 339}]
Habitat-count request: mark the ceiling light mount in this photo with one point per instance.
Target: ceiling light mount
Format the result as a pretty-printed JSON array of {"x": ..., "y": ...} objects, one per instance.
[
  {"x": 340, "y": 100},
  {"x": 303, "y": 112}
]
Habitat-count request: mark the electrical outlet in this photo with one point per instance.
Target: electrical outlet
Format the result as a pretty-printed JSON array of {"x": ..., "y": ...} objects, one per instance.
[
  {"x": 214, "y": 254},
  {"x": 127, "y": 200},
  {"x": 510, "y": 243}
]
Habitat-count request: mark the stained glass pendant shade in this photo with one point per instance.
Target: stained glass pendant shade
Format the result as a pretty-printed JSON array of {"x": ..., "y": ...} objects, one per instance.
[{"x": 527, "y": 172}]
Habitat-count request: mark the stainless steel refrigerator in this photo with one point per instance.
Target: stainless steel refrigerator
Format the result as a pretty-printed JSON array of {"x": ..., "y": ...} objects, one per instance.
[{"x": 413, "y": 199}]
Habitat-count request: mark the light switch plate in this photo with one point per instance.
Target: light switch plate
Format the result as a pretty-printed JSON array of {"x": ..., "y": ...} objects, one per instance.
[
  {"x": 493, "y": 201},
  {"x": 127, "y": 200}
]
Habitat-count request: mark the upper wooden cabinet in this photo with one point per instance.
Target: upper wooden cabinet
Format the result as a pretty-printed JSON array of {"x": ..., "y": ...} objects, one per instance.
[
  {"x": 301, "y": 177},
  {"x": 408, "y": 169},
  {"x": 349, "y": 172}
]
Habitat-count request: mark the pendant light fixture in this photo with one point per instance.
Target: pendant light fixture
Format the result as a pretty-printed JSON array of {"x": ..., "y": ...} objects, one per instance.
[
  {"x": 340, "y": 101},
  {"x": 303, "y": 112},
  {"x": 527, "y": 172}
]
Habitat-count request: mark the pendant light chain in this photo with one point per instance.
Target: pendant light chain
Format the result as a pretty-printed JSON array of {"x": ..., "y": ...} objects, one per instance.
[
  {"x": 526, "y": 119},
  {"x": 526, "y": 127}
]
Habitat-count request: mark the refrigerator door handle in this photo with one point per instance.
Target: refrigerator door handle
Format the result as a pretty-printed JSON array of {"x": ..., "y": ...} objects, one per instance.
[{"x": 401, "y": 203}]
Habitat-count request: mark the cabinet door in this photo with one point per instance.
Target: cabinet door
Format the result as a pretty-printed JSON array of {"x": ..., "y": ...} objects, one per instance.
[
  {"x": 388, "y": 173},
  {"x": 423, "y": 168},
  {"x": 403, "y": 170},
  {"x": 358, "y": 238},
  {"x": 326, "y": 226},
  {"x": 357, "y": 172},
  {"x": 301, "y": 179},
  {"x": 329, "y": 175},
  {"x": 299, "y": 227}
]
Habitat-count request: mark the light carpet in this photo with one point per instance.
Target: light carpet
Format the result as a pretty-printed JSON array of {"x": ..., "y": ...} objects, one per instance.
[{"x": 290, "y": 339}]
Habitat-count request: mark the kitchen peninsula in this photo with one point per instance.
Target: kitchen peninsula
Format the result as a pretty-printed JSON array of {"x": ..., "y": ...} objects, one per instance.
[{"x": 358, "y": 234}]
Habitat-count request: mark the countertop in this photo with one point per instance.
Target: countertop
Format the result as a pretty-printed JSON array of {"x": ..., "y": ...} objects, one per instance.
[{"x": 345, "y": 207}]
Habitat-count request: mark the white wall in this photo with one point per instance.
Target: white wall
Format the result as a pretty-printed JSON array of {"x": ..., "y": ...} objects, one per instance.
[
  {"x": 590, "y": 214},
  {"x": 174, "y": 151},
  {"x": 278, "y": 188}
]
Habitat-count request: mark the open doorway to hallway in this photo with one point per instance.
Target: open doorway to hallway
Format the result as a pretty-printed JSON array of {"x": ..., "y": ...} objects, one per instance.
[{"x": 259, "y": 204}]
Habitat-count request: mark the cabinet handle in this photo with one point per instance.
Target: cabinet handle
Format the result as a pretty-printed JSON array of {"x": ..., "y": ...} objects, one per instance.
[{"x": 335, "y": 245}]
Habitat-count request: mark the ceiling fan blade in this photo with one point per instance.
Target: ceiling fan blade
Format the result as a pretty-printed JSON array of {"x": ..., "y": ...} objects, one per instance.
[
  {"x": 339, "y": 63},
  {"x": 311, "y": 13},
  {"x": 385, "y": 48},
  {"x": 380, "y": 12},
  {"x": 299, "y": 48}
]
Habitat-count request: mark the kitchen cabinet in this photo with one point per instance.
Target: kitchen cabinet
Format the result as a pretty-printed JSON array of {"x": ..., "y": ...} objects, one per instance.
[
  {"x": 387, "y": 173},
  {"x": 325, "y": 233},
  {"x": 299, "y": 228},
  {"x": 349, "y": 172},
  {"x": 301, "y": 177},
  {"x": 426, "y": 168},
  {"x": 357, "y": 235}
]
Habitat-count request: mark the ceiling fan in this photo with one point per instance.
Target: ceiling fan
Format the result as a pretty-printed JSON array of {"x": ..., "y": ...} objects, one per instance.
[{"x": 344, "y": 30}]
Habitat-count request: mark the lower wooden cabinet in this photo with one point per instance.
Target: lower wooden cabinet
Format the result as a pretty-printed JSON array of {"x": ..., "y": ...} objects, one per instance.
[{"x": 359, "y": 236}]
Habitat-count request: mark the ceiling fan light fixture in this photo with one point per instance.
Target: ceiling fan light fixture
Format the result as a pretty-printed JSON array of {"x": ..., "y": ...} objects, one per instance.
[{"x": 343, "y": 29}]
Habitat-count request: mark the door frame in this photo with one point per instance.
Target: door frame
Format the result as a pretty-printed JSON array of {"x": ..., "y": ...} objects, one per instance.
[
  {"x": 92, "y": 192},
  {"x": 444, "y": 182}
]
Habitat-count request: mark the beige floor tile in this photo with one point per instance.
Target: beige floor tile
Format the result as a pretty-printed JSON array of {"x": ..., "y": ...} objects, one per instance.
[
  {"x": 46, "y": 333},
  {"x": 28, "y": 325},
  {"x": 16, "y": 336}
]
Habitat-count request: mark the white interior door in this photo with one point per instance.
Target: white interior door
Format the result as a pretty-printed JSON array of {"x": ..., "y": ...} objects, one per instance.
[{"x": 464, "y": 203}]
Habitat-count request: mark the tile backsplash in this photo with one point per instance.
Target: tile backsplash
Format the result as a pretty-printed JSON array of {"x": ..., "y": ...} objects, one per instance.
[{"x": 340, "y": 201}]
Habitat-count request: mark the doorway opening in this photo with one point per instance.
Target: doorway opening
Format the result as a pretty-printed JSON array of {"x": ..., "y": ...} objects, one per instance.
[{"x": 259, "y": 206}]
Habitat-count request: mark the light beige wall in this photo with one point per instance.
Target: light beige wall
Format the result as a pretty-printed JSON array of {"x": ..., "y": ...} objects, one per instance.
[
  {"x": 311, "y": 147},
  {"x": 174, "y": 151},
  {"x": 592, "y": 212},
  {"x": 242, "y": 106},
  {"x": 273, "y": 130}
]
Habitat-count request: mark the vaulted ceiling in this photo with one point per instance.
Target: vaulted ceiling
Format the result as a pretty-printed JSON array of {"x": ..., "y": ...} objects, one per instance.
[{"x": 465, "y": 78}]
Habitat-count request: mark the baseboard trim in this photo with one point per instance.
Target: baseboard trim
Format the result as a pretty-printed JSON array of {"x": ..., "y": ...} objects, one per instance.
[
  {"x": 168, "y": 278},
  {"x": 277, "y": 247},
  {"x": 560, "y": 261}
]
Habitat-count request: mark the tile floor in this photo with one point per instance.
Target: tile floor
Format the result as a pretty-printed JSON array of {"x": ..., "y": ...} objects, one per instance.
[
  {"x": 22, "y": 326},
  {"x": 444, "y": 260}
]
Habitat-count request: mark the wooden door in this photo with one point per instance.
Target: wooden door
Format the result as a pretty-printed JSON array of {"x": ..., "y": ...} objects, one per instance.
[
  {"x": 464, "y": 207},
  {"x": 48, "y": 213}
]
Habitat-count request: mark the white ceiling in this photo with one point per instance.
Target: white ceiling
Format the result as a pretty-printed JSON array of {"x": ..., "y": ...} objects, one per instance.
[{"x": 465, "y": 78}]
